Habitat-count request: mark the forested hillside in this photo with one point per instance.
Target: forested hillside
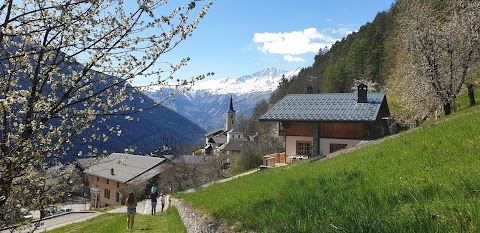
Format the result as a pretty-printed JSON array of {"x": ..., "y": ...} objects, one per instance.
[
  {"x": 360, "y": 55},
  {"x": 421, "y": 53}
]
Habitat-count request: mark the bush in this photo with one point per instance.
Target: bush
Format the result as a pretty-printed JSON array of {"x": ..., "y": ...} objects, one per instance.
[{"x": 251, "y": 157}]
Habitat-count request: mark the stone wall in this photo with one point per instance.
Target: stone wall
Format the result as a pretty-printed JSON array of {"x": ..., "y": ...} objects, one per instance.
[{"x": 196, "y": 222}]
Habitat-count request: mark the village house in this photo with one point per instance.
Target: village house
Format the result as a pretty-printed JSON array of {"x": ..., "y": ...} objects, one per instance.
[
  {"x": 110, "y": 178},
  {"x": 319, "y": 124}
]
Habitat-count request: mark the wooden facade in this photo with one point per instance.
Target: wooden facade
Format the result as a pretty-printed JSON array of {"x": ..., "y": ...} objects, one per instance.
[
  {"x": 342, "y": 130},
  {"x": 320, "y": 138}
]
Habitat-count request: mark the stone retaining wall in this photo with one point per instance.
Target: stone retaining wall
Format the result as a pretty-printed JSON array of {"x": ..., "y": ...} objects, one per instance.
[{"x": 196, "y": 222}]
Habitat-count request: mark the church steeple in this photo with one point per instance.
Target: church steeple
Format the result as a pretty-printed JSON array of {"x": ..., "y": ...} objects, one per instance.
[
  {"x": 231, "y": 105},
  {"x": 230, "y": 118}
]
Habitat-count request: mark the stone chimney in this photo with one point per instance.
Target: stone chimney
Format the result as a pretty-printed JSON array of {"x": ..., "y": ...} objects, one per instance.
[{"x": 362, "y": 93}]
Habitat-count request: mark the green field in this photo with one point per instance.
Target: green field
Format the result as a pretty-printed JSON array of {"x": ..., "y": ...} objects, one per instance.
[
  {"x": 425, "y": 180},
  {"x": 167, "y": 222}
]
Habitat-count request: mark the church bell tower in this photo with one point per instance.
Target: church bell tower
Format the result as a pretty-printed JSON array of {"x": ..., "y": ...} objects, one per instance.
[{"x": 230, "y": 118}]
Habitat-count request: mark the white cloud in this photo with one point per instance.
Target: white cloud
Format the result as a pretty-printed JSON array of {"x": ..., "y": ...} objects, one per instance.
[
  {"x": 291, "y": 58},
  {"x": 328, "y": 20},
  {"x": 293, "y": 43}
]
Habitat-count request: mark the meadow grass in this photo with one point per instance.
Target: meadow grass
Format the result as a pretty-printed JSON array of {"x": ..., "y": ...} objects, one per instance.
[
  {"x": 167, "y": 222},
  {"x": 425, "y": 180}
]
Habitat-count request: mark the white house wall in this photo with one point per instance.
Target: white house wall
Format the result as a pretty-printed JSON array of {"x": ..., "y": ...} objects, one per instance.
[
  {"x": 325, "y": 144},
  {"x": 291, "y": 144}
]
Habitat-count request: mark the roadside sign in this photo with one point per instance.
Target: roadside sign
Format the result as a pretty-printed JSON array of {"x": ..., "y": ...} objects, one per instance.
[{"x": 94, "y": 191}]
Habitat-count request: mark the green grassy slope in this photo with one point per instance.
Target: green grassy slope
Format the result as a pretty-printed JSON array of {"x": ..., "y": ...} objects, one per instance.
[
  {"x": 166, "y": 222},
  {"x": 426, "y": 180}
]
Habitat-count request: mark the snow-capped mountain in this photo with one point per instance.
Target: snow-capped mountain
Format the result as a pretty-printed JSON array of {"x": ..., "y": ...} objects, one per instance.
[
  {"x": 263, "y": 81},
  {"x": 208, "y": 100}
]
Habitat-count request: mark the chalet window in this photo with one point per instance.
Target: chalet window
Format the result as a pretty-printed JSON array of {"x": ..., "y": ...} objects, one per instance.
[
  {"x": 304, "y": 148},
  {"x": 108, "y": 181},
  {"x": 106, "y": 194},
  {"x": 98, "y": 178},
  {"x": 118, "y": 184},
  {"x": 117, "y": 197},
  {"x": 335, "y": 147}
]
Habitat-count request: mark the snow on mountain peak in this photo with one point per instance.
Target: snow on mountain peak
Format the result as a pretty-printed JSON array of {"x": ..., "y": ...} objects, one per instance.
[{"x": 262, "y": 81}]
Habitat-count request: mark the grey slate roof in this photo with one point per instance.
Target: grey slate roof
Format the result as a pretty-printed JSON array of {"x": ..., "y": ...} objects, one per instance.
[
  {"x": 126, "y": 166},
  {"x": 214, "y": 133},
  {"x": 325, "y": 107},
  {"x": 235, "y": 130},
  {"x": 85, "y": 163}
]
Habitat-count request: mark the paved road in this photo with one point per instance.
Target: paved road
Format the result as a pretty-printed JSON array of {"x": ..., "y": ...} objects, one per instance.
[{"x": 62, "y": 220}]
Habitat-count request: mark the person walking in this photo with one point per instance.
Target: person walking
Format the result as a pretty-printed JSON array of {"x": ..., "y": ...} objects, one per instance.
[
  {"x": 153, "y": 198},
  {"x": 162, "y": 200},
  {"x": 169, "y": 199},
  {"x": 153, "y": 189},
  {"x": 131, "y": 204}
]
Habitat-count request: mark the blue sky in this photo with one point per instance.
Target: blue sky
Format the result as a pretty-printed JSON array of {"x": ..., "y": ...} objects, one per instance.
[{"x": 242, "y": 37}]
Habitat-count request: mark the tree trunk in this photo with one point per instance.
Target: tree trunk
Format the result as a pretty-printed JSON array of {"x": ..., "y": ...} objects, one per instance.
[
  {"x": 471, "y": 94},
  {"x": 447, "y": 109}
]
